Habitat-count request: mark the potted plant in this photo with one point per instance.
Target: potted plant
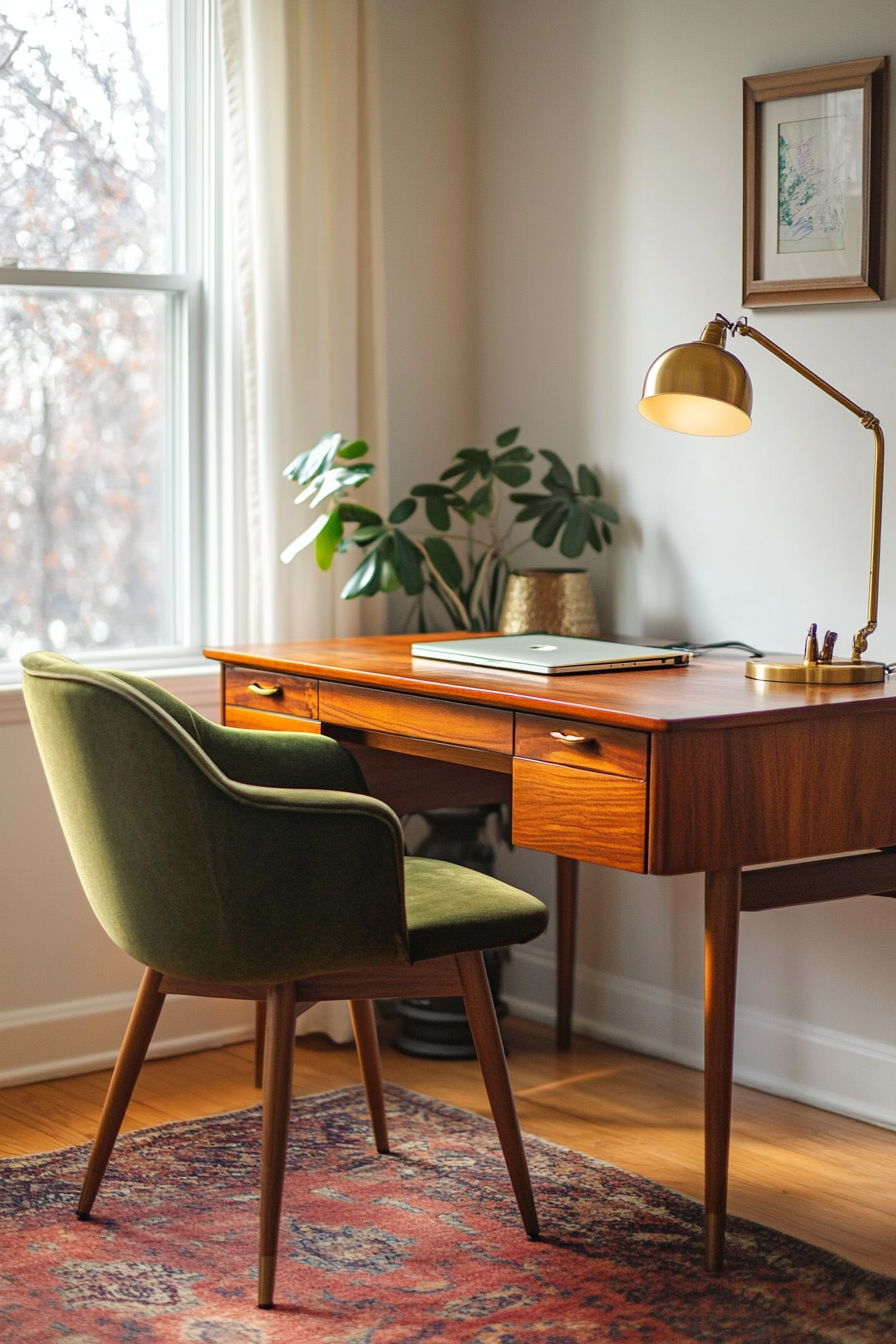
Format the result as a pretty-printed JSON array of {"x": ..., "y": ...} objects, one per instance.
[{"x": 460, "y": 561}]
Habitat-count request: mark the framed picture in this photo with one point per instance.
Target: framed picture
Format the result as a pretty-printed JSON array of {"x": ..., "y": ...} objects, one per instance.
[{"x": 815, "y": 157}]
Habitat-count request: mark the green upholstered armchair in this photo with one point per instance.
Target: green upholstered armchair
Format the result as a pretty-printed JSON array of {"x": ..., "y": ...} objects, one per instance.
[{"x": 255, "y": 865}]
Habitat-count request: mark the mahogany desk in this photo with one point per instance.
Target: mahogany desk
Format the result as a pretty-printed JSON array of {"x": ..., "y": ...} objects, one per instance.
[{"x": 696, "y": 769}]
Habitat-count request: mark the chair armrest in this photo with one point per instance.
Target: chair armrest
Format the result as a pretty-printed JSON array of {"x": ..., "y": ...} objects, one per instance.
[{"x": 309, "y": 881}]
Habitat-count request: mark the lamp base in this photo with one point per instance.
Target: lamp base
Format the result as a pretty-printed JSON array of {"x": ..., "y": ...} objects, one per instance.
[{"x": 840, "y": 672}]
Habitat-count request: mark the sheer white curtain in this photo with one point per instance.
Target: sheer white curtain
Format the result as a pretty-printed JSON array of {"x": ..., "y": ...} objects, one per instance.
[
  {"x": 303, "y": 253},
  {"x": 299, "y": 340}
]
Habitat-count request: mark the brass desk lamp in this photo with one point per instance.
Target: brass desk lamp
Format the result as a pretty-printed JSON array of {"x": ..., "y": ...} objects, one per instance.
[{"x": 701, "y": 388}]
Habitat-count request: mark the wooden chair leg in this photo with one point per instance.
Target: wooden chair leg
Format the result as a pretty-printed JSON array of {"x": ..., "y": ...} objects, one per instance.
[
  {"x": 364, "y": 1024},
  {"x": 279, "y": 1054},
  {"x": 722, "y": 894},
  {"x": 261, "y": 1018},
  {"x": 490, "y": 1049},
  {"x": 567, "y": 901},
  {"x": 142, "y": 1024}
]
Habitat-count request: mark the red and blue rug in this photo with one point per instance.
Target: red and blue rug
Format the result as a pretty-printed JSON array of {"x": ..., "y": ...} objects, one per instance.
[{"x": 422, "y": 1245}]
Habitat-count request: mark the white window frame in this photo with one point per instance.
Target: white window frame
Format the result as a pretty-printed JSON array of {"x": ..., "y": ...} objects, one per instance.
[{"x": 194, "y": 153}]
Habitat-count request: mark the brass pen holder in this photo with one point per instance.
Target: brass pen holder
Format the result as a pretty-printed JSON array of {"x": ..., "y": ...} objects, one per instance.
[
  {"x": 551, "y": 602},
  {"x": 817, "y": 668}
]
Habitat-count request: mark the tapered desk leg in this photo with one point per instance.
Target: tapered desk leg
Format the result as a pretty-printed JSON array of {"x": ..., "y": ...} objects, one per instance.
[
  {"x": 567, "y": 901},
  {"x": 720, "y": 972}
]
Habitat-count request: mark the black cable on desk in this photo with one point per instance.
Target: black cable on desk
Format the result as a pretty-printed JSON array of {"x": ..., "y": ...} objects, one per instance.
[{"x": 721, "y": 644}]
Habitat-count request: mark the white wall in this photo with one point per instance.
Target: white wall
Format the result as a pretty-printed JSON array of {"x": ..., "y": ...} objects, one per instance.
[
  {"x": 426, "y": 86},
  {"x": 608, "y": 189}
]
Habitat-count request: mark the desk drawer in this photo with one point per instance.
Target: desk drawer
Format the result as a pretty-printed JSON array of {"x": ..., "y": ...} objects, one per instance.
[
  {"x": 581, "y": 814},
  {"x": 274, "y": 693},
  {"x": 586, "y": 746},
  {"x": 237, "y": 717},
  {"x": 417, "y": 716}
]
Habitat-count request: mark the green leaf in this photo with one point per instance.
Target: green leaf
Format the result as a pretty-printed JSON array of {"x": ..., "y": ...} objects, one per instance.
[
  {"x": 437, "y": 512},
  {"x": 468, "y": 474},
  {"x": 533, "y": 505},
  {"x": 559, "y": 471},
  {"x": 575, "y": 534},
  {"x": 305, "y": 539},
  {"x": 389, "y": 579},
  {"x": 606, "y": 534},
  {"x": 357, "y": 448},
  {"x": 517, "y": 454},
  {"x": 341, "y": 478},
  {"x": 545, "y": 532},
  {"x": 593, "y": 535},
  {"x": 426, "y": 491},
  {"x": 356, "y": 513},
  {"x": 457, "y": 470},
  {"x": 461, "y": 506},
  {"x": 403, "y": 510},
  {"x": 407, "y": 563},
  {"x": 364, "y": 576},
  {"x": 317, "y": 460},
  {"x": 471, "y": 454},
  {"x": 529, "y": 512},
  {"x": 603, "y": 510},
  {"x": 588, "y": 482},
  {"x": 444, "y": 561},
  {"x": 513, "y": 475},
  {"x": 365, "y": 535},
  {"x": 508, "y": 437},
  {"x": 374, "y": 583},
  {"x": 327, "y": 539},
  {"x": 483, "y": 500}
]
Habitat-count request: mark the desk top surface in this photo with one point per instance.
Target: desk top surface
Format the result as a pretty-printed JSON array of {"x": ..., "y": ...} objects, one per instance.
[{"x": 711, "y": 691}]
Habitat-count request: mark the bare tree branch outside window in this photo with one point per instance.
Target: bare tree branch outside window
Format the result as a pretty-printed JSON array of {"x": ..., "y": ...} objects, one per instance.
[{"x": 84, "y": 455}]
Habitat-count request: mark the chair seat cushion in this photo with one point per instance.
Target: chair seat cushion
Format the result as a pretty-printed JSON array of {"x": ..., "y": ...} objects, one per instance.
[{"x": 452, "y": 909}]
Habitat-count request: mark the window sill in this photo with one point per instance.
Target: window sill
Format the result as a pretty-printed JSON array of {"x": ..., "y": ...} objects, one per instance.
[{"x": 197, "y": 685}]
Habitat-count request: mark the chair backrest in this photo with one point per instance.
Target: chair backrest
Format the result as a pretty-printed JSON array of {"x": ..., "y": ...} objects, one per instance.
[{"x": 194, "y": 874}]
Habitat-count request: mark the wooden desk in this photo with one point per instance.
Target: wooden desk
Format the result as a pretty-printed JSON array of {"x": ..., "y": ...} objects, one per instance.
[{"x": 695, "y": 769}]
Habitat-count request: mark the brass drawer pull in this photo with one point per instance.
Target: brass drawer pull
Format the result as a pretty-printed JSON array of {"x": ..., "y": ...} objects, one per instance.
[
  {"x": 264, "y": 690},
  {"x": 571, "y": 737}
]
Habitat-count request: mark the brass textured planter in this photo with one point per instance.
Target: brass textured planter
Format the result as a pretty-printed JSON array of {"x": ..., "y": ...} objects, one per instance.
[{"x": 552, "y": 601}]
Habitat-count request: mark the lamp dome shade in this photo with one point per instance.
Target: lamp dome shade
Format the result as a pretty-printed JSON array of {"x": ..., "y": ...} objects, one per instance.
[{"x": 698, "y": 388}]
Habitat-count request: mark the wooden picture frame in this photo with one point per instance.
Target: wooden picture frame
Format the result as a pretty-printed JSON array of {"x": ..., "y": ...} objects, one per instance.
[{"x": 815, "y": 167}]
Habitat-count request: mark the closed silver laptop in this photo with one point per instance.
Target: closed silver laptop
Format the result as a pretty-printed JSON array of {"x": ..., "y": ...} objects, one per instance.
[{"x": 547, "y": 655}]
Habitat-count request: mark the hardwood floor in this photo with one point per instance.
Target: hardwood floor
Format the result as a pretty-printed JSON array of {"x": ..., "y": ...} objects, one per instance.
[{"x": 818, "y": 1176}]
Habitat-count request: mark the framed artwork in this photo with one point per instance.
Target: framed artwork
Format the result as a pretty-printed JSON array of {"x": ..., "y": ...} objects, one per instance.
[{"x": 815, "y": 164}]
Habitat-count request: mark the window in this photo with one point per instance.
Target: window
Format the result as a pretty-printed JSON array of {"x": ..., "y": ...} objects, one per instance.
[{"x": 100, "y": 240}]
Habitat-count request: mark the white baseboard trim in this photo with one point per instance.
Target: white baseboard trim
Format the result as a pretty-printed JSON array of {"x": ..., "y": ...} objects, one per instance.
[
  {"x": 59, "y": 1040},
  {"x": 105, "y": 1059},
  {"x": 832, "y": 1070}
]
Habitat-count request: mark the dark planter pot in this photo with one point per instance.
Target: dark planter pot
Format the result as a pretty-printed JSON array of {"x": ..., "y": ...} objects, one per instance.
[{"x": 438, "y": 1028}]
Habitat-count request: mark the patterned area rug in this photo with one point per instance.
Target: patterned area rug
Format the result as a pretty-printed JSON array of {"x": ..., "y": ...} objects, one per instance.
[{"x": 422, "y": 1245}]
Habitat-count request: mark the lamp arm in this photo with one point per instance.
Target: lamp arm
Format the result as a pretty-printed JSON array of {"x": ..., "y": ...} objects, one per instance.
[{"x": 869, "y": 421}]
